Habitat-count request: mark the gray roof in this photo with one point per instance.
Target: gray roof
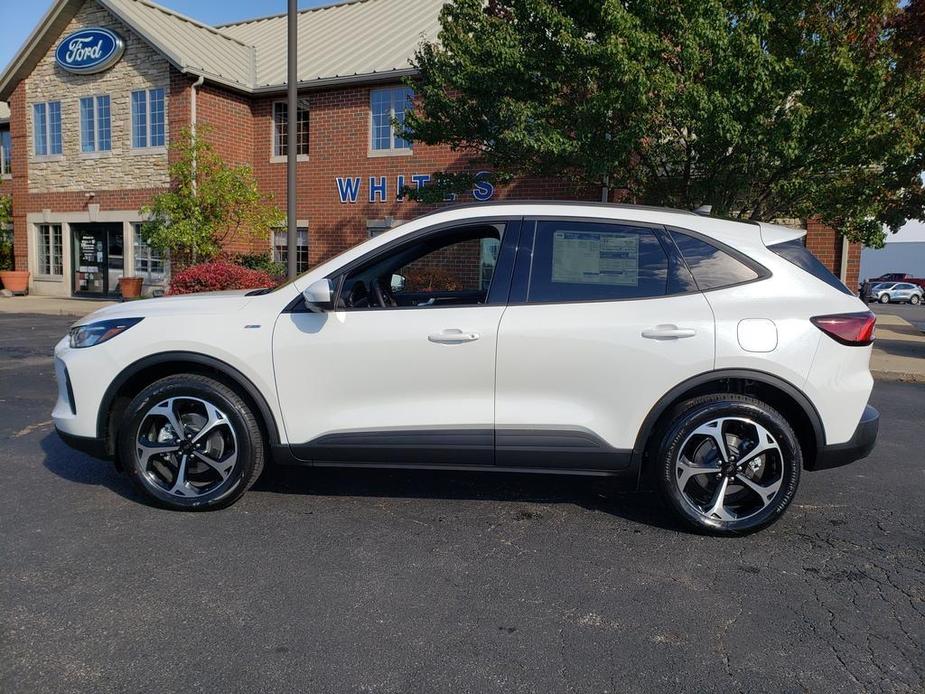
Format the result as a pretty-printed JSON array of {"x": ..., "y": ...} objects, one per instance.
[
  {"x": 356, "y": 40},
  {"x": 363, "y": 37}
]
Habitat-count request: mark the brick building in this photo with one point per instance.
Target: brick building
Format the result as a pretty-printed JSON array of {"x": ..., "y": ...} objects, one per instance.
[{"x": 102, "y": 87}]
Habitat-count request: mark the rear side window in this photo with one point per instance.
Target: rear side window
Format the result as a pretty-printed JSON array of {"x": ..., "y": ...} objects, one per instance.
[
  {"x": 584, "y": 261},
  {"x": 712, "y": 268},
  {"x": 799, "y": 255}
]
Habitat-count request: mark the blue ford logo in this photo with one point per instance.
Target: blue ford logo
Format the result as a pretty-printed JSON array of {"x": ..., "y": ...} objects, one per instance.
[{"x": 89, "y": 50}]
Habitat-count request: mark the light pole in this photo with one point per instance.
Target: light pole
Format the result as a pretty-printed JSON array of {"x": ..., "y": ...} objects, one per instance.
[{"x": 292, "y": 135}]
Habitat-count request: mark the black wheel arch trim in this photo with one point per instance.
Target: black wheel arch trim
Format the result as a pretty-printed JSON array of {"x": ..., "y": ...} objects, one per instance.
[
  {"x": 648, "y": 424},
  {"x": 225, "y": 369}
]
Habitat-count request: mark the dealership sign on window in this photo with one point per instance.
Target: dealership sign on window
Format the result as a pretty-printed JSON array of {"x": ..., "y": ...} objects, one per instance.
[
  {"x": 89, "y": 50},
  {"x": 350, "y": 188}
]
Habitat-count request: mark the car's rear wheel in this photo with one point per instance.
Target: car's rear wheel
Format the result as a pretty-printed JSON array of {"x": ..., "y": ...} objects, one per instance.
[
  {"x": 191, "y": 443},
  {"x": 915, "y": 299},
  {"x": 884, "y": 299},
  {"x": 727, "y": 464}
]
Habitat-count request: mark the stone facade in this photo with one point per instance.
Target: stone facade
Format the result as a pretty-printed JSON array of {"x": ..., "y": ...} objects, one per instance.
[{"x": 141, "y": 67}]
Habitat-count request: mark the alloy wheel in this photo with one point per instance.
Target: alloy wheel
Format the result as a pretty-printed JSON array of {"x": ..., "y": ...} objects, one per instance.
[
  {"x": 729, "y": 469},
  {"x": 186, "y": 447}
]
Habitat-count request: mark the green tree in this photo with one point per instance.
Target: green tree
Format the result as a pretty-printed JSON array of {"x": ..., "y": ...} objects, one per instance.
[
  {"x": 6, "y": 232},
  {"x": 209, "y": 203},
  {"x": 761, "y": 108}
]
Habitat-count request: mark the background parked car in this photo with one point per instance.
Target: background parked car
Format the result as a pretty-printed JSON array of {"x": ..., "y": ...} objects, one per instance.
[{"x": 887, "y": 292}]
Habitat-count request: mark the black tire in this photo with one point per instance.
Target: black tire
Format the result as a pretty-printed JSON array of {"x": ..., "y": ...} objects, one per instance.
[
  {"x": 684, "y": 419},
  {"x": 248, "y": 440},
  {"x": 884, "y": 299},
  {"x": 915, "y": 300}
]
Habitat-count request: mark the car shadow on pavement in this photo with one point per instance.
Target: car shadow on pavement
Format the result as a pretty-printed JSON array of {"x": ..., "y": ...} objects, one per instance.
[
  {"x": 591, "y": 493},
  {"x": 75, "y": 466}
]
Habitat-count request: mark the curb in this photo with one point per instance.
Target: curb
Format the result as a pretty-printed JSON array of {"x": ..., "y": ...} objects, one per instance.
[{"x": 897, "y": 377}]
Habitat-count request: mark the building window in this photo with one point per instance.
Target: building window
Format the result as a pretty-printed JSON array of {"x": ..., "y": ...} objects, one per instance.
[
  {"x": 281, "y": 128},
  {"x": 281, "y": 248},
  {"x": 148, "y": 116},
  {"x": 95, "y": 130},
  {"x": 49, "y": 250},
  {"x": 150, "y": 264},
  {"x": 387, "y": 116},
  {"x": 46, "y": 128},
  {"x": 6, "y": 156}
]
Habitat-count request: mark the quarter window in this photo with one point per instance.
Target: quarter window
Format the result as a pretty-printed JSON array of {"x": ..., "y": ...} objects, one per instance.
[
  {"x": 148, "y": 118},
  {"x": 579, "y": 261},
  {"x": 281, "y": 248},
  {"x": 49, "y": 250},
  {"x": 95, "y": 130},
  {"x": 46, "y": 128},
  {"x": 387, "y": 117},
  {"x": 281, "y": 128},
  {"x": 798, "y": 254},
  {"x": 711, "y": 267}
]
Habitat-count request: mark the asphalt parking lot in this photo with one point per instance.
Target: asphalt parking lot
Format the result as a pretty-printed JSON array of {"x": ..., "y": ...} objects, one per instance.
[{"x": 342, "y": 581}]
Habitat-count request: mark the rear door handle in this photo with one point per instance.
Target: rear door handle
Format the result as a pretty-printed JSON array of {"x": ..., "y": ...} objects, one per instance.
[
  {"x": 668, "y": 332},
  {"x": 453, "y": 336}
]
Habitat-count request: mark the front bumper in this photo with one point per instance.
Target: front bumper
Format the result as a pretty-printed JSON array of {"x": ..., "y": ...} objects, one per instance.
[
  {"x": 85, "y": 444},
  {"x": 859, "y": 446}
]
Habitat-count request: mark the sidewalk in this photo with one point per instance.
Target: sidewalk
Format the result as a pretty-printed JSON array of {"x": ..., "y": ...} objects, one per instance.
[
  {"x": 899, "y": 350},
  {"x": 51, "y": 306}
]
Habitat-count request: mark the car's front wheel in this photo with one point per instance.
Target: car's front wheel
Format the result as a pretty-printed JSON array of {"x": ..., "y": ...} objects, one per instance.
[
  {"x": 727, "y": 464},
  {"x": 884, "y": 299},
  {"x": 191, "y": 443}
]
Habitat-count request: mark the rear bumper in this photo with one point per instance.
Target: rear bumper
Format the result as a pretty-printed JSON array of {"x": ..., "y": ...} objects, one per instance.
[{"x": 859, "y": 446}]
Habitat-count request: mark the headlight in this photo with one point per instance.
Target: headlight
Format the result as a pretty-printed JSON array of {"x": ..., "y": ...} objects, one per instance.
[{"x": 100, "y": 331}]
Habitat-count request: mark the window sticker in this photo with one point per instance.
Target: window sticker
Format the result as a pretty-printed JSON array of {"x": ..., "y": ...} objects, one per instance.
[{"x": 580, "y": 257}]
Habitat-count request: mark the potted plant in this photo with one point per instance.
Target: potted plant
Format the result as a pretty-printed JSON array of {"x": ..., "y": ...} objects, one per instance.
[
  {"x": 130, "y": 287},
  {"x": 16, "y": 281}
]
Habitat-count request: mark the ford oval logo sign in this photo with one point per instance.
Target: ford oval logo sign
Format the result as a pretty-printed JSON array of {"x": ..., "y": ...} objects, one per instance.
[{"x": 89, "y": 50}]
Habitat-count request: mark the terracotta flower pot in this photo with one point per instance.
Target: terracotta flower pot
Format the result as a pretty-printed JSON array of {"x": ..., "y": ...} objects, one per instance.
[
  {"x": 130, "y": 287},
  {"x": 17, "y": 281}
]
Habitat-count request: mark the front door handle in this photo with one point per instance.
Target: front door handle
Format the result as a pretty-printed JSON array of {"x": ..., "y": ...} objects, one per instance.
[
  {"x": 453, "y": 336},
  {"x": 668, "y": 332}
]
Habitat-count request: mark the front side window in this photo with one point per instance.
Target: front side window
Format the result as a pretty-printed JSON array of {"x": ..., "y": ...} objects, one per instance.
[
  {"x": 712, "y": 268},
  {"x": 150, "y": 264},
  {"x": 95, "y": 128},
  {"x": 281, "y": 248},
  {"x": 46, "y": 128},
  {"x": 50, "y": 250},
  {"x": 589, "y": 261},
  {"x": 6, "y": 156},
  {"x": 281, "y": 128},
  {"x": 387, "y": 111},
  {"x": 451, "y": 268},
  {"x": 148, "y": 118}
]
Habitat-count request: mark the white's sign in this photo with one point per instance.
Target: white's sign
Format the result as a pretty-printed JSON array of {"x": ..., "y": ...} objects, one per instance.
[{"x": 349, "y": 188}]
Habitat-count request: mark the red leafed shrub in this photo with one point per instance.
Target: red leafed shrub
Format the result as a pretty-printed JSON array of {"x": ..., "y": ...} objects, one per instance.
[{"x": 215, "y": 277}]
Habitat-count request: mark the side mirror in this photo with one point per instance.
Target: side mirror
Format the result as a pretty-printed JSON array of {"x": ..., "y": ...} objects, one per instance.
[{"x": 319, "y": 296}]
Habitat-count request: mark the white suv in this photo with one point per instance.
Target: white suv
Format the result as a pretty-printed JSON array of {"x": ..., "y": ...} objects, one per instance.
[{"x": 715, "y": 359}]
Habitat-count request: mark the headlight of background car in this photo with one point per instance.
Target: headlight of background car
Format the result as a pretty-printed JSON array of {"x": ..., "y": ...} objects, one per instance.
[{"x": 94, "y": 333}]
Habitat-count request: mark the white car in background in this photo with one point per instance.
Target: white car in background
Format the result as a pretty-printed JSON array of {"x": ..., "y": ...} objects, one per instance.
[
  {"x": 887, "y": 292},
  {"x": 714, "y": 359}
]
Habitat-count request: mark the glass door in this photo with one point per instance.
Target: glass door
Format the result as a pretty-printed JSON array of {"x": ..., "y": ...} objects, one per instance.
[{"x": 90, "y": 262}]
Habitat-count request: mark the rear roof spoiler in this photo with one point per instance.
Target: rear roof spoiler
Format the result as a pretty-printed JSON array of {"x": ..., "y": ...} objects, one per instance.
[{"x": 773, "y": 234}]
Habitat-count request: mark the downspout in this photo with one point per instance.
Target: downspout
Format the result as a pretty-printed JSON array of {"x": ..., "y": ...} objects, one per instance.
[
  {"x": 193, "y": 120},
  {"x": 843, "y": 269}
]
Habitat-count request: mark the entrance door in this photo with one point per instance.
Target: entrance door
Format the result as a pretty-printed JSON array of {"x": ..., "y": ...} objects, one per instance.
[{"x": 98, "y": 258}]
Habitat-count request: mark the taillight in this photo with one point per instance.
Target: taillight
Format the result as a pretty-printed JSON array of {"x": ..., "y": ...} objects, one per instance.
[{"x": 855, "y": 329}]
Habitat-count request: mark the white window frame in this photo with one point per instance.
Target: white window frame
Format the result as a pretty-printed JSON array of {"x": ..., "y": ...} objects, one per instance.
[
  {"x": 142, "y": 252},
  {"x": 278, "y": 258},
  {"x": 96, "y": 151},
  {"x": 4, "y": 173},
  {"x": 392, "y": 150},
  {"x": 54, "y": 259},
  {"x": 276, "y": 157},
  {"x": 49, "y": 155},
  {"x": 146, "y": 148}
]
